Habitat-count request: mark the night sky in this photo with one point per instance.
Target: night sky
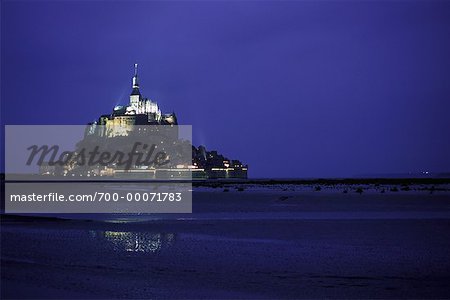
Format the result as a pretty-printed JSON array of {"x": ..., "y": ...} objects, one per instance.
[{"x": 293, "y": 88}]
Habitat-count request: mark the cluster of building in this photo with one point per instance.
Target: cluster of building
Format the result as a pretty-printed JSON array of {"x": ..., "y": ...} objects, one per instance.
[{"x": 210, "y": 164}]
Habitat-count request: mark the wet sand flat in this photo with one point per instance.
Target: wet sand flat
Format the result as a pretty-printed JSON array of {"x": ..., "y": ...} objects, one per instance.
[{"x": 250, "y": 244}]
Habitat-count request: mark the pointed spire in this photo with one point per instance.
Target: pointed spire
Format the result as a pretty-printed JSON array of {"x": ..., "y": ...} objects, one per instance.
[
  {"x": 135, "y": 86},
  {"x": 135, "y": 77}
]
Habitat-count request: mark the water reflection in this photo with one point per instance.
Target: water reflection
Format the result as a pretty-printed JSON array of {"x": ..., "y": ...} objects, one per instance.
[{"x": 130, "y": 241}]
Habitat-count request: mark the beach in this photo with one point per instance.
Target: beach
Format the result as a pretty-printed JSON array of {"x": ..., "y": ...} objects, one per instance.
[{"x": 261, "y": 241}]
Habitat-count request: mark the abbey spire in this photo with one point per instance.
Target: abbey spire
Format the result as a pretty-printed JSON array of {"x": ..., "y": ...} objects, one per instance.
[
  {"x": 135, "y": 86},
  {"x": 135, "y": 77},
  {"x": 135, "y": 96}
]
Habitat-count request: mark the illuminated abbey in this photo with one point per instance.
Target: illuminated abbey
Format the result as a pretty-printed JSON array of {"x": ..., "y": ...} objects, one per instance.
[{"x": 139, "y": 111}]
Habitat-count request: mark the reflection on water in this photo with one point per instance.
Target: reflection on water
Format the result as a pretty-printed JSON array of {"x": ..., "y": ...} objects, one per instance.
[{"x": 130, "y": 241}]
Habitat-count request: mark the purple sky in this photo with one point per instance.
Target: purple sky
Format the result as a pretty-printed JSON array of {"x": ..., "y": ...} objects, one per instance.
[{"x": 293, "y": 88}]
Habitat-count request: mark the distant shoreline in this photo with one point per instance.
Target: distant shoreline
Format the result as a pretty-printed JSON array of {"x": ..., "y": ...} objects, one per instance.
[
  {"x": 327, "y": 181},
  {"x": 265, "y": 181}
]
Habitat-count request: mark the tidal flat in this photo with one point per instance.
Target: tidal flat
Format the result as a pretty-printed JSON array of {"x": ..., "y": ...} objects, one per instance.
[{"x": 241, "y": 241}]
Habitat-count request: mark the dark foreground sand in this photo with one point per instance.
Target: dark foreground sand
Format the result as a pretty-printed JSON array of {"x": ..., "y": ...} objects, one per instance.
[{"x": 250, "y": 244}]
